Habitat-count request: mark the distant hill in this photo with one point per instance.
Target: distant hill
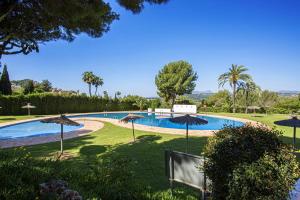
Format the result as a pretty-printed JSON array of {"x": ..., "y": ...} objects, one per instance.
[
  {"x": 288, "y": 93},
  {"x": 199, "y": 95}
]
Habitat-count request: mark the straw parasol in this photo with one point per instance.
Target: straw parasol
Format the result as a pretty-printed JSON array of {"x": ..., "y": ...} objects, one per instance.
[
  {"x": 62, "y": 120},
  {"x": 131, "y": 118},
  {"x": 188, "y": 120},
  {"x": 28, "y": 106},
  {"x": 293, "y": 122},
  {"x": 254, "y": 108}
]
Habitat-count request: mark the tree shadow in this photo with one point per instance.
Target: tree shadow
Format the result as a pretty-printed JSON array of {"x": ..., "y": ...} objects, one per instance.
[
  {"x": 92, "y": 150},
  {"x": 7, "y": 118},
  {"x": 148, "y": 155}
]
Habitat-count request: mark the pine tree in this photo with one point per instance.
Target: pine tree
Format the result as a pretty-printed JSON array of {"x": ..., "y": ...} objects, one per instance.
[{"x": 5, "y": 82}]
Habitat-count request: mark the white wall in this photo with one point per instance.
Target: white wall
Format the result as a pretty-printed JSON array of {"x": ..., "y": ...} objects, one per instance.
[{"x": 185, "y": 109}]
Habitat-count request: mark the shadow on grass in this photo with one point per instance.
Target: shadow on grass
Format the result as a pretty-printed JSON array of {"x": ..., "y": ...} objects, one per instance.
[{"x": 7, "y": 118}]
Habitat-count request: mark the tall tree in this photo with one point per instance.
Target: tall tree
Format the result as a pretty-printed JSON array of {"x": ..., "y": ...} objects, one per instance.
[
  {"x": 268, "y": 99},
  {"x": 248, "y": 89},
  {"x": 88, "y": 77},
  {"x": 97, "y": 81},
  {"x": 29, "y": 87},
  {"x": 5, "y": 83},
  {"x": 176, "y": 78},
  {"x": 235, "y": 77},
  {"x": 25, "y": 24},
  {"x": 46, "y": 85},
  {"x": 117, "y": 94},
  {"x": 141, "y": 102}
]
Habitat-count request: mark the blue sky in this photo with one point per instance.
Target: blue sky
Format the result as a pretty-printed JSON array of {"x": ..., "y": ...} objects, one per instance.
[{"x": 210, "y": 34}]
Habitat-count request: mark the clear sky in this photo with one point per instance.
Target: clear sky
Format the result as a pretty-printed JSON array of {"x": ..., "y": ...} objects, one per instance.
[{"x": 263, "y": 35}]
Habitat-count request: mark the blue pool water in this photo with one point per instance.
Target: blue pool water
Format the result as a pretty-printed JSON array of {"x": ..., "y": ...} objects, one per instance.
[
  {"x": 37, "y": 128},
  {"x": 33, "y": 128}
]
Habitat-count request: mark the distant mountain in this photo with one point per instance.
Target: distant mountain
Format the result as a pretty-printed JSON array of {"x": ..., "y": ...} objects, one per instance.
[
  {"x": 199, "y": 95},
  {"x": 288, "y": 93}
]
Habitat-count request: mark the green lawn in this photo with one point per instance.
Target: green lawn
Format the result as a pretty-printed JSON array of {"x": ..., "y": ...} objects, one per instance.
[
  {"x": 147, "y": 153},
  {"x": 17, "y": 117},
  {"x": 268, "y": 120}
]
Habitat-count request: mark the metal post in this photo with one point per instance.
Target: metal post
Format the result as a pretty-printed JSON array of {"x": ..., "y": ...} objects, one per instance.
[
  {"x": 133, "y": 130},
  {"x": 187, "y": 137},
  {"x": 294, "y": 139},
  {"x": 172, "y": 172},
  {"x": 61, "y": 138}
]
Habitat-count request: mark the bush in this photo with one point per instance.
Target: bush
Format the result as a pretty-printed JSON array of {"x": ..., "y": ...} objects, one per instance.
[
  {"x": 268, "y": 178},
  {"x": 48, "y": 103},
  {"x": 233, "y": 149}
]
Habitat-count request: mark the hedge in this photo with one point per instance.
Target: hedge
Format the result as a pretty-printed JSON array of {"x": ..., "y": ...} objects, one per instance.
[{"x": 48, "y": 103}]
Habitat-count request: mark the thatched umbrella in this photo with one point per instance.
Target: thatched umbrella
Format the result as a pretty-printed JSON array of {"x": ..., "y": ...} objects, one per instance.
[
  {"x": 188, "y": 120},
  {"x": 254, "y": 108},
  {"x": 293, "y": 122},
  {"x": 62, "y": 120},
  {"x": 131, "y": 118},
  {"x": 28, "y": 106}
]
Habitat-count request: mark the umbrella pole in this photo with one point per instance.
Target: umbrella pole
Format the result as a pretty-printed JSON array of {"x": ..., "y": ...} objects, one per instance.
[
  {"x": 187, "y": 137},
  {"x": 133, "y": 130},
  {"x": 28, "y": 111},
  {"x": 294, "y": 139},
  {"x": 61, "y": 139}
]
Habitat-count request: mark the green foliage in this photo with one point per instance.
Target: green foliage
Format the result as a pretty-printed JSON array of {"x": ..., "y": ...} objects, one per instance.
[
  {"x": 155, "y": 103},
  {"x": 46, "y": 86},
  {"x": 141, "y": 102},
  {"x": 269, "y": 178},
  {"x": 184, "y": 100},
  {"x": 176, "y": 78},
  {"x": 233, "y": 149},
  {"x": 29, "y": 87},
  {"x": 287, "y": 105},
  {"x": 26, "y": 24},
  {"x": 5, "y": 84},
  {"x": 268, "y": 99},
  {"x": 247, "y": 94},
  {"x": 107, "y": 178},
  {"x": 97, "y": 81},
  {"x": 49, "y": 103},
  {"x": 219, "y": 102},
  {"x": 235, "y": 77}
]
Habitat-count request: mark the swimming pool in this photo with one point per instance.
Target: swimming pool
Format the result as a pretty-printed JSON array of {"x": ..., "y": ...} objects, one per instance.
[{"x": 35, "y": 128}]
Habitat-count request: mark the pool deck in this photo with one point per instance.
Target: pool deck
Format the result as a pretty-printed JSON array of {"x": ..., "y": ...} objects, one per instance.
[{"x": 92, "y": 124}]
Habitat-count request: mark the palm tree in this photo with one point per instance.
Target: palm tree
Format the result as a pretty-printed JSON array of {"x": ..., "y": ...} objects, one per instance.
[
  {"x": 141, "y": 103},
  {"x": 234, "y": 77},
  {"x": 97, "y": 81},
  {"x": 88, "y": 77},
  {"x": 248, "y": 88}
]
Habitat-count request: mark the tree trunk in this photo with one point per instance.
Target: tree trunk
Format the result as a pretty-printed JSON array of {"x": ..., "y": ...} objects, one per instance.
[
  {"x": 90, "y": 89},
  {"x": 61, "y": 138},
  {"x": 96, "y": 90},
  {"x": 133, "y": 130},
  {"x": 247, "y": 96},
  {"x": 233, "y": 96},
  {"x": 187, "y": 137}
]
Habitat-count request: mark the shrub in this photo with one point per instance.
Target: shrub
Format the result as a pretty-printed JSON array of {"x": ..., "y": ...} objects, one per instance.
[
  {"x": 48, "y": 103},
  {"x": 268, "y": 178},
  {"x": 234, "y": 148}
]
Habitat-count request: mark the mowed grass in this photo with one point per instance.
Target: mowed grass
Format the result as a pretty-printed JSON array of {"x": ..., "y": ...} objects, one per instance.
[
  {"x": 268, "y": 120},
  {"x": 11, "y": 118},
  {"x": 147, "y": 153}
]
